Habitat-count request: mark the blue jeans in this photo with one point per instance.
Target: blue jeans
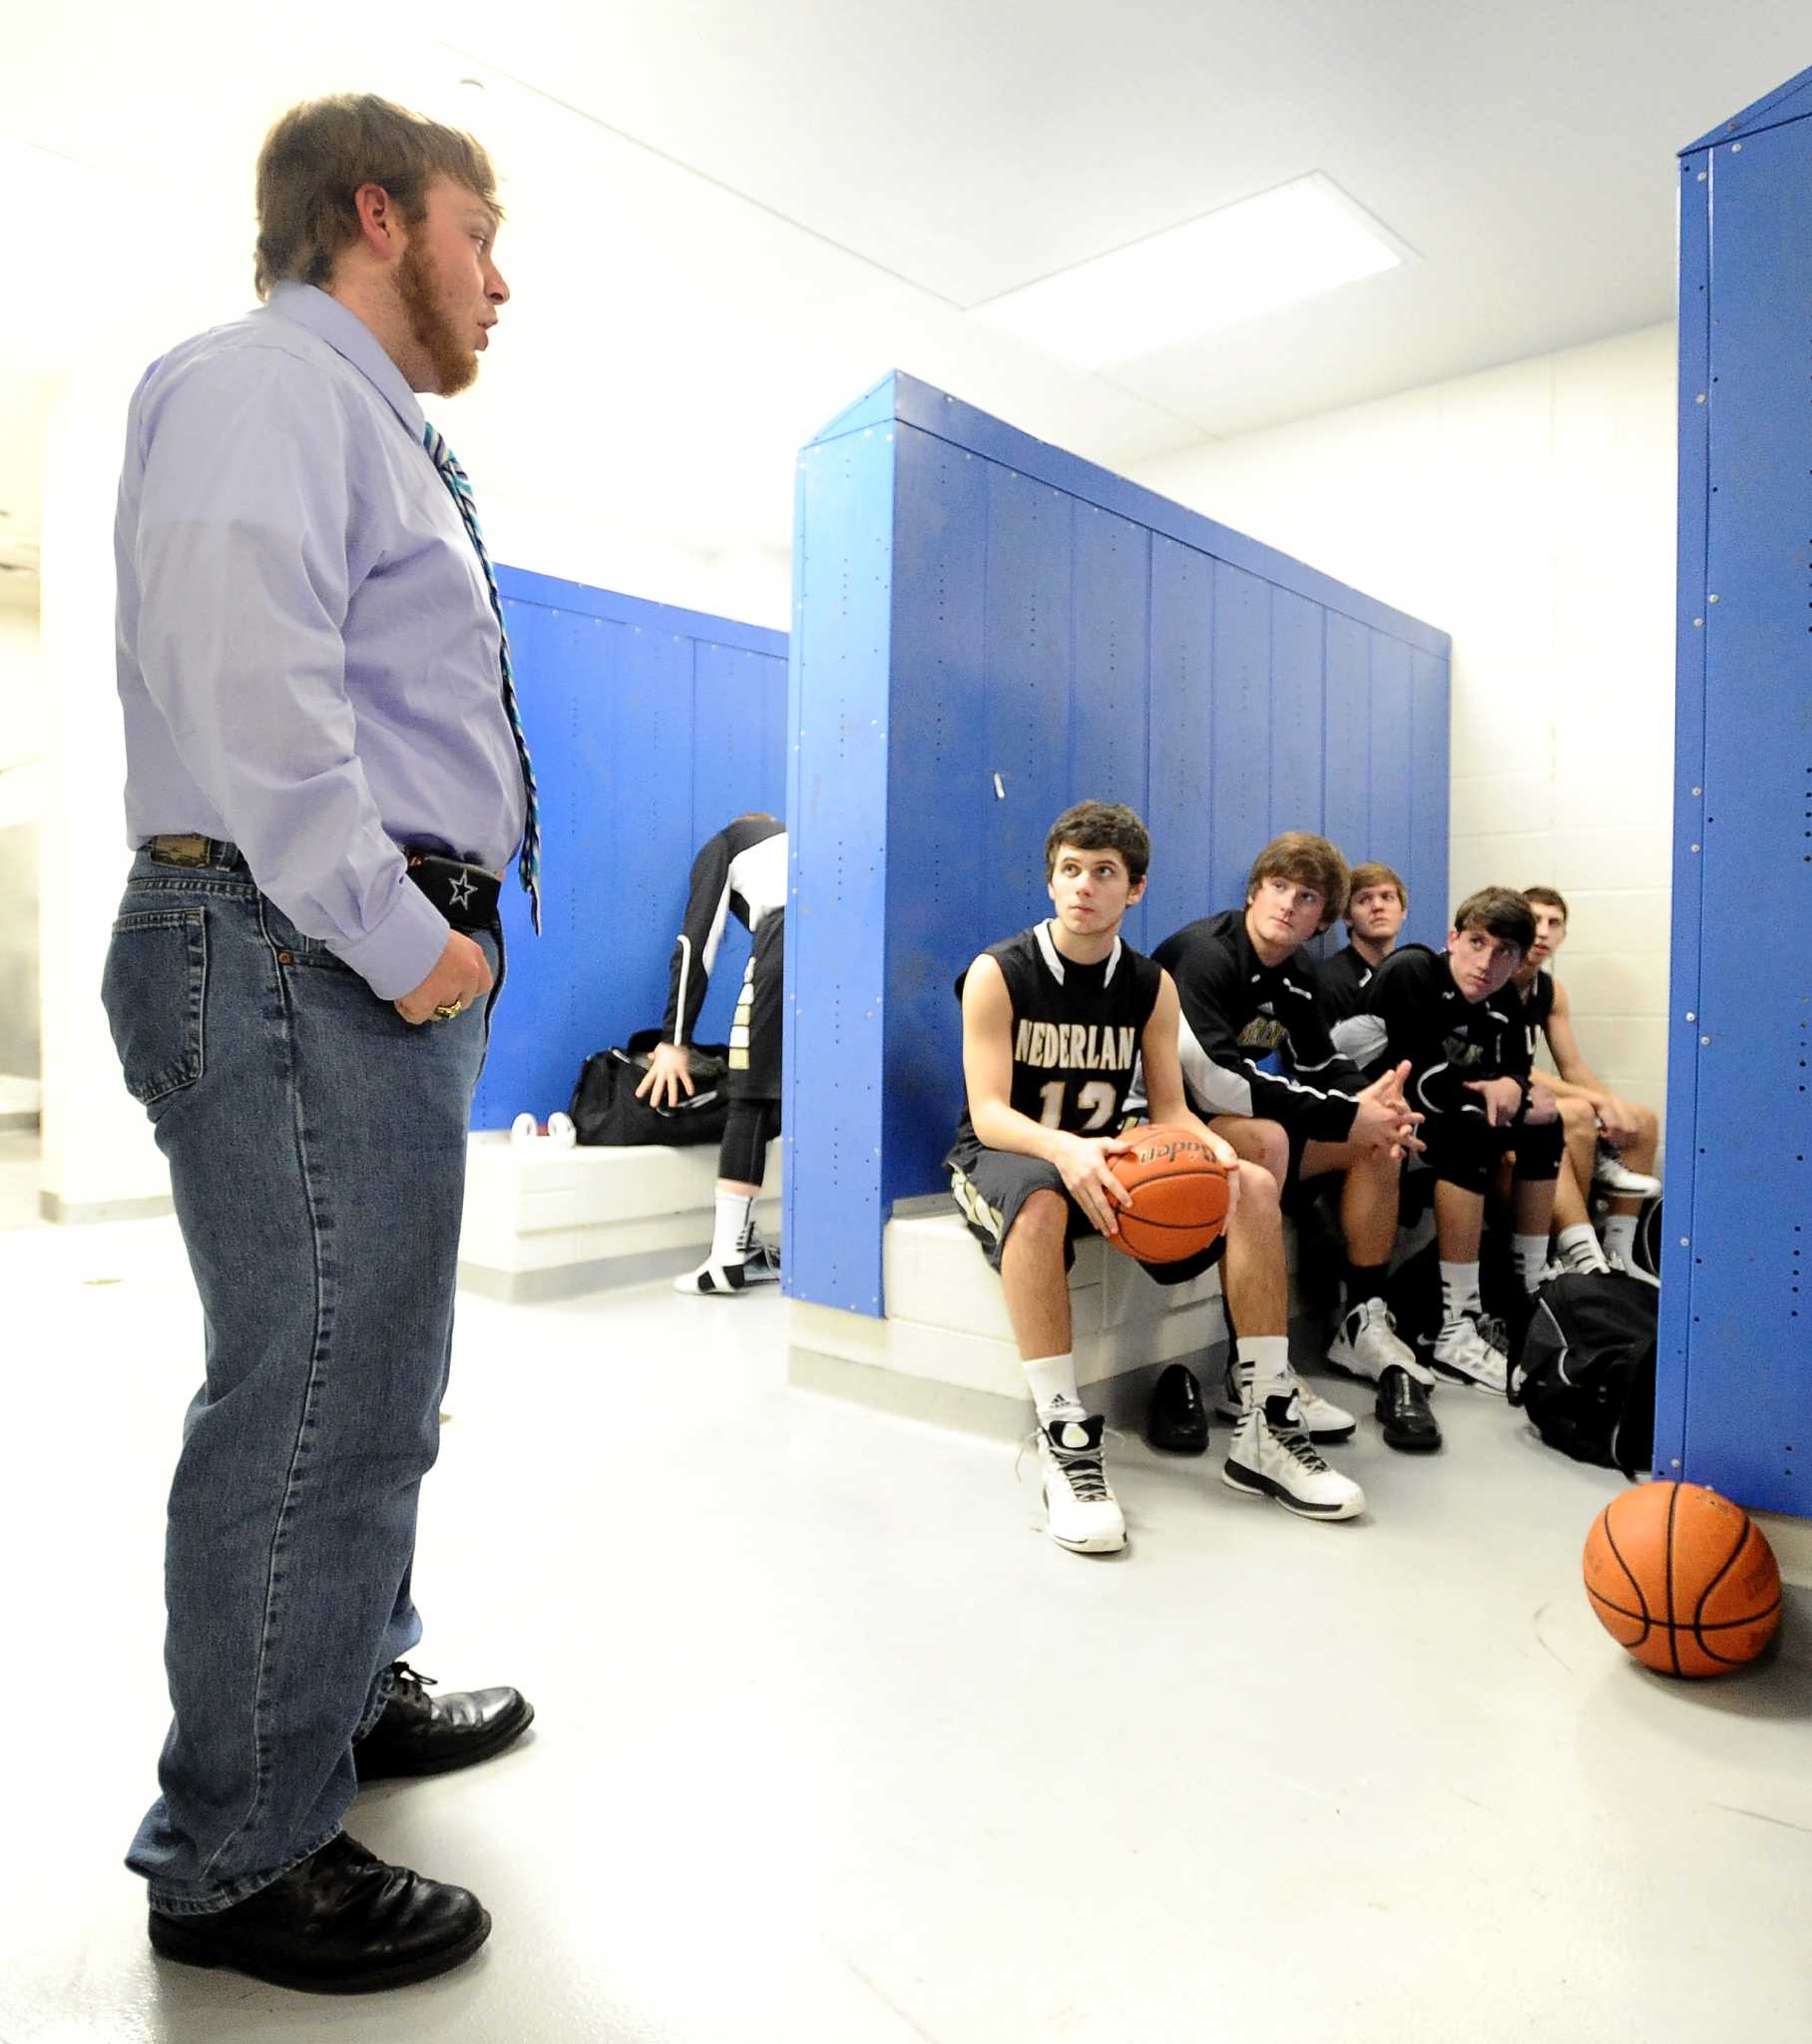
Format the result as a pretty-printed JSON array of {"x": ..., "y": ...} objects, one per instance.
[{"x": 318, "y": 1153}]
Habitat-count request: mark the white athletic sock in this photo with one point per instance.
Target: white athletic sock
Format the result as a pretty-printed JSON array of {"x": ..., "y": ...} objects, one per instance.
[
  {"x": 1458, "y": 1292},
  {"x": 1620, "y": 1235},
  {"x": 1053, "y": 1382},
  {"x": 1269, "y": 1355},
  {"x": 1530, "y": 1254},
  {"x": 1578, "y": 1247},
  {"x": 729, "y": 1231}
]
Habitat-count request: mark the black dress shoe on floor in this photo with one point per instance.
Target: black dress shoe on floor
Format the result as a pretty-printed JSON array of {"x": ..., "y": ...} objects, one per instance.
[
  {"x": 343, "y": 1923},
  {"x": 1177, "y": 1422},
  {"x": 1404, "y": 1415},
  {"x": 423, "y": 1734}
]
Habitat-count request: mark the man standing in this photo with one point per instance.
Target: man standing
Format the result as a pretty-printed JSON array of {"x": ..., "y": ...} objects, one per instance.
[{"x": 325, "y": 777}]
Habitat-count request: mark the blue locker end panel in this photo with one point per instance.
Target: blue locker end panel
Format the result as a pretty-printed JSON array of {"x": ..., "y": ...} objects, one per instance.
[{"x": 1734, "y": 1383}]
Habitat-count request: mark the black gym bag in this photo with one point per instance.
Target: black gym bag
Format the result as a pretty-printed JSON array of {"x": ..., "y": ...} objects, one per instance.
[
  {"x": 606, "y": 1112},
  {"x": 1585, "y": 1372}
]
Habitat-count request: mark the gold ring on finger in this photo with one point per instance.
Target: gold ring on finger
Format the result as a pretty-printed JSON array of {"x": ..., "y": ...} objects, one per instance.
[{"x": 447, "y": 1010}]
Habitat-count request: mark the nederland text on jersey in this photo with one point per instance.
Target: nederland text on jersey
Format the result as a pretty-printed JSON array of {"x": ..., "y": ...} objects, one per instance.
[{"x": 1075, "y": 1046}]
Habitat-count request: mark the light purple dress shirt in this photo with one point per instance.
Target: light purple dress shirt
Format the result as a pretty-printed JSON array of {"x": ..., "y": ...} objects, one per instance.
[{"x": 307, "y": 655}]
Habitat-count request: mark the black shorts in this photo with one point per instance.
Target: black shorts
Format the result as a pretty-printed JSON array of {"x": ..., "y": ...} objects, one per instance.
[
  {"x": 991, "y": 1186},
  {"x": 1463, "y": 1149},
  {"x": 755, "y": 1030}
]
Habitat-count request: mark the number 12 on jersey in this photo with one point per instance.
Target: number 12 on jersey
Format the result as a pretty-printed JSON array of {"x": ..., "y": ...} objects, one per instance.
[{"x": 1095, "y": 1098}]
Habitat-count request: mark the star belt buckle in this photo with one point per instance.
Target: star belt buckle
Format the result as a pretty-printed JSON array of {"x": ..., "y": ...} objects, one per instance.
[{"x": 461, "y": 892}]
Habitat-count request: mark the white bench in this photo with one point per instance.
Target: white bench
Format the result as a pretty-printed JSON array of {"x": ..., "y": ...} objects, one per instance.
[
  {"x": 946, "y": 1352},
  {"x": 547, "y": 1223}
]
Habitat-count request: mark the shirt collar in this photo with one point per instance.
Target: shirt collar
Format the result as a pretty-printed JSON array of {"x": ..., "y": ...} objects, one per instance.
[{"x": 348, "y": 336}]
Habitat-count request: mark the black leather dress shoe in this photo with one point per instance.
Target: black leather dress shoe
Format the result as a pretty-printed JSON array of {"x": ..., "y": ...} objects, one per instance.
[
  {"x": 343, "y": 1923},
  {"x": 1177, "y": 1422},
  {"x": 1404, "y": 1415},
  {"x": 423, "y": 1734}
]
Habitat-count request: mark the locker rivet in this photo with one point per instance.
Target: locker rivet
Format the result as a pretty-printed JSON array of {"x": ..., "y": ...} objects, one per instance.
[
  {"x": 1700, "y": 398},
  {"x": 1698, "y": 791},
  {"x": 1696, "y": 847},
  {"x": 1690, "y": 1016},
  {"x": 1674, "y": 1463},
  {"x": 1737, "y": 148},
  {"x": 1712, "y": 599},
  {"x": 1705, "y": 1039},
  {"x": 1685, "y": 1242},
  {"x": 1696, "y": 623},
  {"x": 1701, "y": 178}
]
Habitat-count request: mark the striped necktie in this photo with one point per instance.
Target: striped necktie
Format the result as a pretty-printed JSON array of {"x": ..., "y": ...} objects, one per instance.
[{"x": 528, "y": 865}]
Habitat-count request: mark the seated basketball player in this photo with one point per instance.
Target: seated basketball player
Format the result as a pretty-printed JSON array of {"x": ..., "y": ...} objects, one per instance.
[
  {"x": 1376, "y": 903},
  {"x": 1054, "y": 1022},
  {"x": 1247, "y": 990},
  {"x": 1453, "y": 1019},
  {"x": 1610, "y": 1142},
  {"x": 740, "y": 872}
]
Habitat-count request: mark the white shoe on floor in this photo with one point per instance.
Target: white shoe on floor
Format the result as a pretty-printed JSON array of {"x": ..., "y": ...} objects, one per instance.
[
  {"x": 760, "y": 1265},
  {"x": 1611, "y": 1172},
  {"x": 1271, "y": 1456},
  {"x": 1367, "y": 1344},
  {"x": 1322, "y": 1420},
  {"x": 1081, "y": 1511},
  {"x": 1465, "y": 1352}
]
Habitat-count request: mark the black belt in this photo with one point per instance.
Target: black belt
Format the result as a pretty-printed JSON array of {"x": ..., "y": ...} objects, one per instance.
[{"x": 465, "y": 894}]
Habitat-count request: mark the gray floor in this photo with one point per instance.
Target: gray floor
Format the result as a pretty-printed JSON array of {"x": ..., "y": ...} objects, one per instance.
[{"x": 833, "y": 1745}]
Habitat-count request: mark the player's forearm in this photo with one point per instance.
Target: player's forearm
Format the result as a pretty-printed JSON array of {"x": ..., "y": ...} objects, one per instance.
[
  {"x": 1580, "y": 1084},
  {"x": 1001, "y": 1127}
]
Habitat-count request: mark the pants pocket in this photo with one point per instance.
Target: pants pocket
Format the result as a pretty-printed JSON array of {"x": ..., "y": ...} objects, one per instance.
[{"x": 154, "y": 992}]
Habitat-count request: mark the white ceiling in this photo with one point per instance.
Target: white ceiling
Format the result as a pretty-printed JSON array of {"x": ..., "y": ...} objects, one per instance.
[{"x": 728, "y": 219}]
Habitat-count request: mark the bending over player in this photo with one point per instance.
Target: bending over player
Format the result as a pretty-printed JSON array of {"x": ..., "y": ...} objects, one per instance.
[
  {"x": 741, "y": 872},
  {"x": 1248, "y": 990},
  {"x": 1453, "y": 1018},
  {"x": 1054, "y": 1022}
]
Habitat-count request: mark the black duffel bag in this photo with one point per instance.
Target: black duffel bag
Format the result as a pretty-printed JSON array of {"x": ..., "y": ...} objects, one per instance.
[
  {"x": 606, "y": 1112},
  {"x": 1586, "y": 1371}
]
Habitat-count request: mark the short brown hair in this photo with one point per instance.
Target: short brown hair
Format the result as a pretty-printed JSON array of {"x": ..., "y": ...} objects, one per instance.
[
  {"x": 1500, "y": 912},
  {"x": 1551, "y": 896},
  {"x": 1375, "y": 874},
  {"x": 317, "y": 155},
  {"x": 1310, "y": 862},
  {"x": 1100, "y": 826}
]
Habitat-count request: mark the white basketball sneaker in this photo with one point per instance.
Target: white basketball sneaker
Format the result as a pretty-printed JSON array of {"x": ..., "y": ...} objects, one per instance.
[
  {"x": 1367, "y": 1345},
  {"x": 1465, "y": 1352},
  {"x": 760, "y": 1264},
  {"x": 1271, "y": 1456},
  {"x": 1322, "y": 1420},
  {"x": 1081, "y": 1511},
  {"x": 1610, "y": 1171}
]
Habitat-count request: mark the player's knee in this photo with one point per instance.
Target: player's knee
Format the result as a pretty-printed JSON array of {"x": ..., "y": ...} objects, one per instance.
[
  {"x": 1647, "y": 1125},
  {"x": 1576, "y": 1114},
  {"x": 1040, "y": 1221},
  {"x": 1258, "y": 1195}
]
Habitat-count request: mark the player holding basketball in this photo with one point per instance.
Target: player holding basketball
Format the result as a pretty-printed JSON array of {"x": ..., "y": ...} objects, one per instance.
[
  {"x": 1454, "y": 1020},
  {"x": 741, "y": 872},
  {"x": 1247, "y": 990},
  {"x": 1054, "y": 1022}
]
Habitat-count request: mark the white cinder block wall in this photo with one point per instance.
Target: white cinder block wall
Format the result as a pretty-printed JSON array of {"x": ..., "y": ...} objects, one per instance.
[{"x": 1530, "y": 511}]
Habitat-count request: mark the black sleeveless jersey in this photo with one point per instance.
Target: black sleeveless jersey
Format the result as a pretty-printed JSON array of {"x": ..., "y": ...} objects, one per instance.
[
  {"x": 1538, "y": 1005},
  {"x": 1075, "y": 1032}
]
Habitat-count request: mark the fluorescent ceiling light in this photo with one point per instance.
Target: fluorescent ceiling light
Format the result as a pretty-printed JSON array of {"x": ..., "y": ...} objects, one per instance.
[{"x": 1253, "y": 258}]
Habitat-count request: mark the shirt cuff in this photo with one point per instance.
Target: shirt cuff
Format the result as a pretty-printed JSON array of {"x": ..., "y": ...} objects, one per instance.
[{"x": 399, "y": 954}]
